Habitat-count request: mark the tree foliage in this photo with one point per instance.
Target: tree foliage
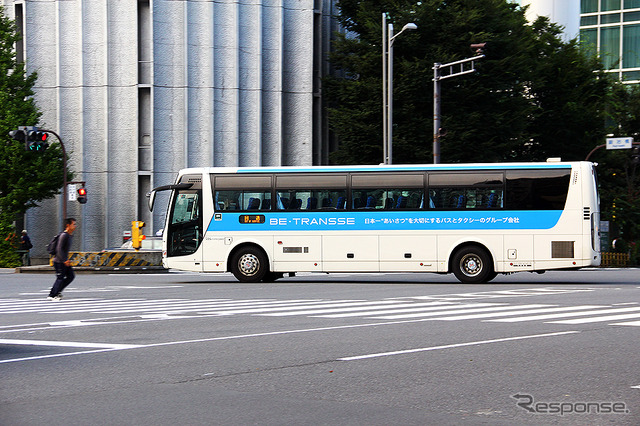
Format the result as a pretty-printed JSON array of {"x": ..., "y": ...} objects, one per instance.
[
  {"x": 533, "y": 96},
  {"x": 26, "y": 178},
  {"x": 620, "y": 174}
]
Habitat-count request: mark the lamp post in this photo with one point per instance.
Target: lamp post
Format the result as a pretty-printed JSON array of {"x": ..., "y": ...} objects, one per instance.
[{"x": 387, "y": 85}]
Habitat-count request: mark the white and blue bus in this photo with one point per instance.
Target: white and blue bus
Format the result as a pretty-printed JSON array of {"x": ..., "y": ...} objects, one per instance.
[{"x": 475, "y": 220}]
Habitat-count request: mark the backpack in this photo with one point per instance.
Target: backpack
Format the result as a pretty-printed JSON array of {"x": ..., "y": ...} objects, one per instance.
[{"x": 52, "y": 247}]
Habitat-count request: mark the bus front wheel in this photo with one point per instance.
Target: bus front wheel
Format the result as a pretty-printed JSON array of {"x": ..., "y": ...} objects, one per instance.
[
  {"x": 249, "y": 265},
  {"x": 472, "y": 265}
]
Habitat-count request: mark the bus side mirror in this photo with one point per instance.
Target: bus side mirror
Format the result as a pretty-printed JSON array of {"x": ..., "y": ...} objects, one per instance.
[{"x": 152, "y": 198}]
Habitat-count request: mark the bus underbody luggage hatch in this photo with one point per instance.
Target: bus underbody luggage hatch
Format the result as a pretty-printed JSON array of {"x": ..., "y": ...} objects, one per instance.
[{"x": 152, "y": 194}]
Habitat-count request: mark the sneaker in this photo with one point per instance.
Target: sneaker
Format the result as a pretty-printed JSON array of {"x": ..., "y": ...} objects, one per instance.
[{"x": 55, "y": 298}]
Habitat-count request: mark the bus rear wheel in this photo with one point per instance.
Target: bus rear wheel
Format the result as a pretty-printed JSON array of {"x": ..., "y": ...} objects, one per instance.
[
  {"x": 472, "y": 265},
  {"x": 249, "y": 265}
]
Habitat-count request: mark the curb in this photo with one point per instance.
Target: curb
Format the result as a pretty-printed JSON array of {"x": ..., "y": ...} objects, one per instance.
[{"x": 46, "y": 269}]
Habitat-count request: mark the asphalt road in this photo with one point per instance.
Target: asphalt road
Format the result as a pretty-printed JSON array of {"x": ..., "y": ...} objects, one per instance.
[{"x": 369, "y": 349}]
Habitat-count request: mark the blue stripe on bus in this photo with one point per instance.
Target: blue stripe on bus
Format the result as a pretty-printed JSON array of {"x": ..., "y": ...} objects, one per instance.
[
  {"x": 320, "y": 169},
  {"x": 381, "y": 221}
]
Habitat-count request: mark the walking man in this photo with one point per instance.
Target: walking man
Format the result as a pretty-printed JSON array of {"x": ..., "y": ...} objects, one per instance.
[{"x": 61, "y": 262}]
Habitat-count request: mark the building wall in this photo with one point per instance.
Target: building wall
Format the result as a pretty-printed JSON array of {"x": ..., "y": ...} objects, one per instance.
[
  {"x": 612, "y": 28},
  {"x": 609, "y": 28},
  {"x": 139, "y": 89},
  {"x": 563, "y": 12}
]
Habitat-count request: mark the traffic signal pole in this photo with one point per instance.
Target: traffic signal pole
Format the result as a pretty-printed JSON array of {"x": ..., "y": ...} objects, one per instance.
[
  {"x": 64, "y": 175},
  {"x": 452, "y": 69},
  {"x": 39, "y": 139}
]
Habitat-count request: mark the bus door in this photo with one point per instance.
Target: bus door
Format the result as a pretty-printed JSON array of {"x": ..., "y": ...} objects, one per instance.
[{"x": 184, "y": 229}]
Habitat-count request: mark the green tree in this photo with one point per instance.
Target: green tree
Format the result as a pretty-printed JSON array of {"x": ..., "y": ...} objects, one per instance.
[
  {"x": 534, "y": 95},
  {"x": 619, "y": 174},
  {"x": 26, "y": 178}
]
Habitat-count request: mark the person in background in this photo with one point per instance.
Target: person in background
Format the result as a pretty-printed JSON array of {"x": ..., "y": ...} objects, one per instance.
[
  {"x": 61, "y": 262},
  {"x": 25, "y": 246}
]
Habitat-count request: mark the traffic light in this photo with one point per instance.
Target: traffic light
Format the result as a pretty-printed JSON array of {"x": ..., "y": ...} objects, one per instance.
[
  {"x": 19, "y": 135},
  {"x": 635, "y": 155},
  {"x": 37, "y": 140},
  {"x": 82, "y": 195},
  {"x": 136, "y": 234}
]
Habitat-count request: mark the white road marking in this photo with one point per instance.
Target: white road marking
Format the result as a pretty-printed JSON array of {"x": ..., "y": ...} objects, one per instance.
[
  {"x": 455, "y": 345},
  {"x": 598, "y": 319},
  {"x": 429, "y": 306},
  {"x": 462, "y": 311},
  {"x": 196, "y": 305},
  {"x": 416, "y": 307},
  {"x": 506, "y": 314},
  {"x": 630, "y": 323},
  {"x": 565, "y": 315},
  {"x": 112, "y": 347},
  {"x": 67, "y": 344},
  {"x": 506, "y": 293},
  {"x": 327, "y": 304}
]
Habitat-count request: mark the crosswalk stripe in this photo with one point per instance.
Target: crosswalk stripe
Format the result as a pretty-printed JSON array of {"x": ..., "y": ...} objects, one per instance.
[
  {"x": 566, "y": 315},
  {"x": 459, "y": 311},
  {"x": 504, "y": 314},
  {"x": 431, "y": 306},
  {"x": 193, "y": 306},
  {"x": 598, "y": 319},
  {"x": 142, "y": 305},
  {"x": 630, "y": 323},
  {"x": 212, "y": 309},
  {"x": 399, "y": 308},
  {"x": 504, "y": 294},
  {"x": 300, "y": 307},
  {"x": 10, "y": 303},
  {"x": 357, "y": 309},
  {"x": 391, "y": 310},
  {"x": 82, "y": 305}
]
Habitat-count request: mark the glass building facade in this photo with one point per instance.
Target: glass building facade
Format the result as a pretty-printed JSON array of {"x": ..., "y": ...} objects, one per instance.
[{"x": 612, "y": 28}]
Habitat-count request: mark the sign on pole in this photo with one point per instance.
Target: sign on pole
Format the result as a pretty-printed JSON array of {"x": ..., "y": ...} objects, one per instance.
[
  {"x": 619, "y": 143},
  {"x": 72, "y": 192}
]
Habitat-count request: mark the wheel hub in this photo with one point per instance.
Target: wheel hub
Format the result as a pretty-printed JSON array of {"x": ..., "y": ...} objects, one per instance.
[
  {"x": 249, "y": 264},
  {"x": 471, "y": 265}
]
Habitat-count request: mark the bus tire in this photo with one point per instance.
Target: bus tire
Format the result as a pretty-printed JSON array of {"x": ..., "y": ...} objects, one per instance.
[
  {"x": 249, "y": 265},
  {"x": 472, "y": 265}
]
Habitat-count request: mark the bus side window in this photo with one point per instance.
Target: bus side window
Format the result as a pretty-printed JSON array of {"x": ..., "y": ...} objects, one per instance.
[
  {"x": 309, "y": 200},
  {"x": 242, "y": 200}
]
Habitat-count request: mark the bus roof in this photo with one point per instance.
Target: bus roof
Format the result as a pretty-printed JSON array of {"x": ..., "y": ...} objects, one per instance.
[{"x": 385, "y": 167}]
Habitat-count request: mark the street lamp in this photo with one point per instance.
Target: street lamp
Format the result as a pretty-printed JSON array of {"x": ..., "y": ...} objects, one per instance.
[{"x": 387, "y": 85}]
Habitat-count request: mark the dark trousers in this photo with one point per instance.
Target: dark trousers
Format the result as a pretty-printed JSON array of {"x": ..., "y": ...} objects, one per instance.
[{"x": 64, "y": 276}]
